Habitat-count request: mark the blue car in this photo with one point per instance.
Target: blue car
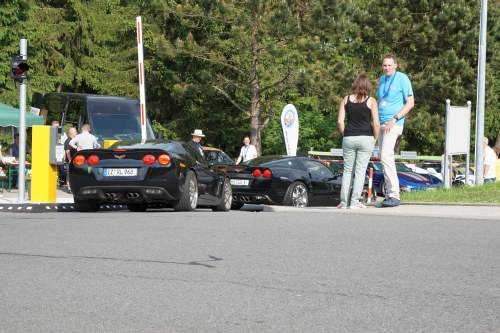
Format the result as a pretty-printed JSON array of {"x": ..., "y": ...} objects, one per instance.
[{"x": 408, "y": 180}]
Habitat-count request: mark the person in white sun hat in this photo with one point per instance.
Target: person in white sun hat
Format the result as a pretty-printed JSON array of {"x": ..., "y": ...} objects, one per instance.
[{"x": 195, "y": 141}]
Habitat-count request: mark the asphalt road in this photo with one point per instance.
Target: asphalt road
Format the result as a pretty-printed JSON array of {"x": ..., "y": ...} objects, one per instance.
[{"x": 289, "y": 271}]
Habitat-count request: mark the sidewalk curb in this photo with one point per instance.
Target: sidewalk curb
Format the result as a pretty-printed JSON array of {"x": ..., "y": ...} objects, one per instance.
[{"x": 50, "y": 207}]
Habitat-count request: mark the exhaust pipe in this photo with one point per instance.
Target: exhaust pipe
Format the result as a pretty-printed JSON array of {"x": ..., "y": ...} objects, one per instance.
[
  {"x": 110, "y": 195},
  {"x": 132, "y": 195}
]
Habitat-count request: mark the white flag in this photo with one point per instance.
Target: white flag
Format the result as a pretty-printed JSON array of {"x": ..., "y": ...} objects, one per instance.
[{"x": 290, "y": 124}]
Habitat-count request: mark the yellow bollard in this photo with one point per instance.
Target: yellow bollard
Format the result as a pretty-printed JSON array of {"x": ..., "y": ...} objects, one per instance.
[{"x": 43, "y": 174}]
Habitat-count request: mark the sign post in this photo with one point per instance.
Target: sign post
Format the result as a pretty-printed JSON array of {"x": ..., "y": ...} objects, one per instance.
[{"x": 22, "y": 125}]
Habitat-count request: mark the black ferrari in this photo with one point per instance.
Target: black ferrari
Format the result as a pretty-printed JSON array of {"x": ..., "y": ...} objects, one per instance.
[
  {"x": 160, "y": 173},
  {"x": 284, "y": 180}
]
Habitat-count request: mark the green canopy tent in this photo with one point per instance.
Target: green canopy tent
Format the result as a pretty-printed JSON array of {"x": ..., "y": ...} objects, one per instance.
[{"x": 9, "y": 116}]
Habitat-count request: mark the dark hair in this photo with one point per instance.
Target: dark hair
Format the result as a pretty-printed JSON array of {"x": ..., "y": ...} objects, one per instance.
[
  {"x": 390, "y": 56},
  {"x": 361, "y": 87},
  {"x": 16, "y": 135},
  {"x": 497, "y": 150}
]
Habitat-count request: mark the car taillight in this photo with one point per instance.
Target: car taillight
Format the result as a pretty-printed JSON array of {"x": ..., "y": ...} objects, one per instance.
[
  {"x": 92, "y": 160},
  {"x": 148, "y": 159},
  {"x": 224, "y": 169},
  {"x": 267, "y": 173},
  {"x": 256, "y": 173},
  {"x": 78, "y": 160},
  {"x": 164, "y": 159}
]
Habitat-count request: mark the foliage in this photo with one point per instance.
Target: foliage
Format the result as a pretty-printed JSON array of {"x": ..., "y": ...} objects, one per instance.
[{"x": 230, "y": 67}]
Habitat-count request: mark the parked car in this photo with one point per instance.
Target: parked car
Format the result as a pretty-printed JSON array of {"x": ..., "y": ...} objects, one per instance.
[
  {"x": 435, "y": 169},
  {"x": 408, "y": 180},
  {"x": 160, "y": 173},
  {"x": 297, "y": 181}
]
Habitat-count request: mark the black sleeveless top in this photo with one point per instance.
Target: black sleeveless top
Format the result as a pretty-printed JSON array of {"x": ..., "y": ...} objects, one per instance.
[{"x": 359, "y": 117}]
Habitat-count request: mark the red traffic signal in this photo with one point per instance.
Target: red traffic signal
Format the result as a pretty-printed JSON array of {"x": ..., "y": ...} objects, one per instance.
[{"x": 19, "y": 68}]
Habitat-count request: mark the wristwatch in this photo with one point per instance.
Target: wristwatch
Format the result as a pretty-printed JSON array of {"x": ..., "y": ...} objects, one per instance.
[{"x": 396, "y": 117}]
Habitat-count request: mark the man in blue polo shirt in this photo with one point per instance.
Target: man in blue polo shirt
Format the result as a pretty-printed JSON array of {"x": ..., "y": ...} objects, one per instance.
[{"x": 395, "y": 101}]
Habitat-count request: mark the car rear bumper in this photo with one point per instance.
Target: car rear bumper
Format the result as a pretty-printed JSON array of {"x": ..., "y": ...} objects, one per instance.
[{"x": 125, "y": 195}]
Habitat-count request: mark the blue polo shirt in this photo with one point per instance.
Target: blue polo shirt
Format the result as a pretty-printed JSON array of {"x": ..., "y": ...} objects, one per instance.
[{"x": 394, "y": 92}]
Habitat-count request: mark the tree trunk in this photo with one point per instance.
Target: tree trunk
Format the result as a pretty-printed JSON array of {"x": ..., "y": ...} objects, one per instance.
[{"x": 255, "y": 121}]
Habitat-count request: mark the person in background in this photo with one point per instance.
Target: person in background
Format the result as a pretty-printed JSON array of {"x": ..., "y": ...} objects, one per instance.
[
  {"x": 14, "y": 152},
  {"x": 84, "y": 140},
  {"x": 490, "y": 163},
  {"x": 395, "y": 101},
  {"x": 496, "y": 149},
  {"x": 69, "y": 152},
  {"x": 197, "y": 135},
  {"x": 359, "y": 139},
  {"x": 247, "y": 152}
]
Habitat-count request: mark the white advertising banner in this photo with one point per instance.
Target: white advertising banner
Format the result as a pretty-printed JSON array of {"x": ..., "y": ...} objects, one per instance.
[{"x": 290, "y": 124}]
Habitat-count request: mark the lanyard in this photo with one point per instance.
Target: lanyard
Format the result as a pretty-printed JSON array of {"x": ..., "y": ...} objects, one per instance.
[
  {"x": 245, "y": 149},
  {"x": 386, "y": 92}
]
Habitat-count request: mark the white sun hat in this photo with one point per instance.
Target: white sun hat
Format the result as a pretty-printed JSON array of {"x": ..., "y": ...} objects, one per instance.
[{"x": 198, "y": 132}]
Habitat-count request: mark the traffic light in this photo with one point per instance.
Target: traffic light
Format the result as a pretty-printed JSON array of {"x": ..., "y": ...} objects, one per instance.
[{"x": 19, "y": 68}]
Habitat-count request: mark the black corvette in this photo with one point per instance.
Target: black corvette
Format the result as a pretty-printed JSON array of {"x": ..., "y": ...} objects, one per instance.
[
  {"x": 160, "y": 173},
  {"x": 284, "y": 180}
]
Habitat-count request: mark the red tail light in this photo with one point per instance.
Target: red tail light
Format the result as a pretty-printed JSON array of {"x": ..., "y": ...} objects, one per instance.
[
  {"x": 78, "y": 160},
  {"x": 164, "y": 159},
  {"x": 224, "y": 169},
  {"x": 148, "y": 159},
  {"x": 267, "y": 173},
  {"x": 92, "y": 160},
  {"x": 256, "y": 173}
]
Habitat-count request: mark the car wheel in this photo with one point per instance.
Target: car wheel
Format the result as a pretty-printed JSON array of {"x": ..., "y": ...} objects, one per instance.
[
  {"x": 86, "y": 205},
  {"x": 296, "y": 195},
  {"x": 383, "y": 187},
  {"x": 189, "y": 194},
  {"x": 236, "y": 205},
  {"x": 226, "y": 199},
  {"x": 137, "y": 207}
]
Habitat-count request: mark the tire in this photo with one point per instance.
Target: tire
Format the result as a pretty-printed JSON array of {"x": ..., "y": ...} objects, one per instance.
[
  {"x": 137, "y": 207},
  {"x": 226, "y": 199},
  {"x": 383, "y": 187},
  {"x": 86, "y": 205},
  {"x": 296, "y": 195},
  {"x": 189, "y": 194},
  {"x": 236, "y": 205}
]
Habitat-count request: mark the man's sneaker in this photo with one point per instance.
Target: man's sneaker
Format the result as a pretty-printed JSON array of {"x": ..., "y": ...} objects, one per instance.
[
  {"x": 388, "y": 202},
  {"x": 341, "y": 206},
  {"x": 359, "y": 205}
]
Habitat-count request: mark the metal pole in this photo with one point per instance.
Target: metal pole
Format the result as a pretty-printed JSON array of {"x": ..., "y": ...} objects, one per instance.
[
  {"x": 22, "y": 125},
  {"x": 481, "y": 78}
]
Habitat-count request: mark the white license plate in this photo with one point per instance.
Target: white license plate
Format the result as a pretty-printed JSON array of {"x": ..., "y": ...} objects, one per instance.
[
  {"x": 239, "y": 181},
  {"x": 120, "y": 172}
]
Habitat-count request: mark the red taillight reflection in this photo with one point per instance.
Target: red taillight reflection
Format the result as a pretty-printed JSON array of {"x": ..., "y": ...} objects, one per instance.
[
  {"x": 256, "y": 173},
  {"x": 148, "y": 159},
  {"x": 78, "y": 160},
  {"x": 92, "y": 160},
  {"x": 267, "y": 173},
  {"x": 164, "y": 159}
]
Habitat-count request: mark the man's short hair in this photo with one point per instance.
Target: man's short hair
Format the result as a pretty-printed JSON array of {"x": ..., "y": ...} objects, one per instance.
[{"x": 391, "y": 56}]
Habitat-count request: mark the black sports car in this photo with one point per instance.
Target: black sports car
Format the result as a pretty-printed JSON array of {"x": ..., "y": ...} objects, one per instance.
[
  {"x": 284, "y": 180},
  {"x": 160, "y": 173}
]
